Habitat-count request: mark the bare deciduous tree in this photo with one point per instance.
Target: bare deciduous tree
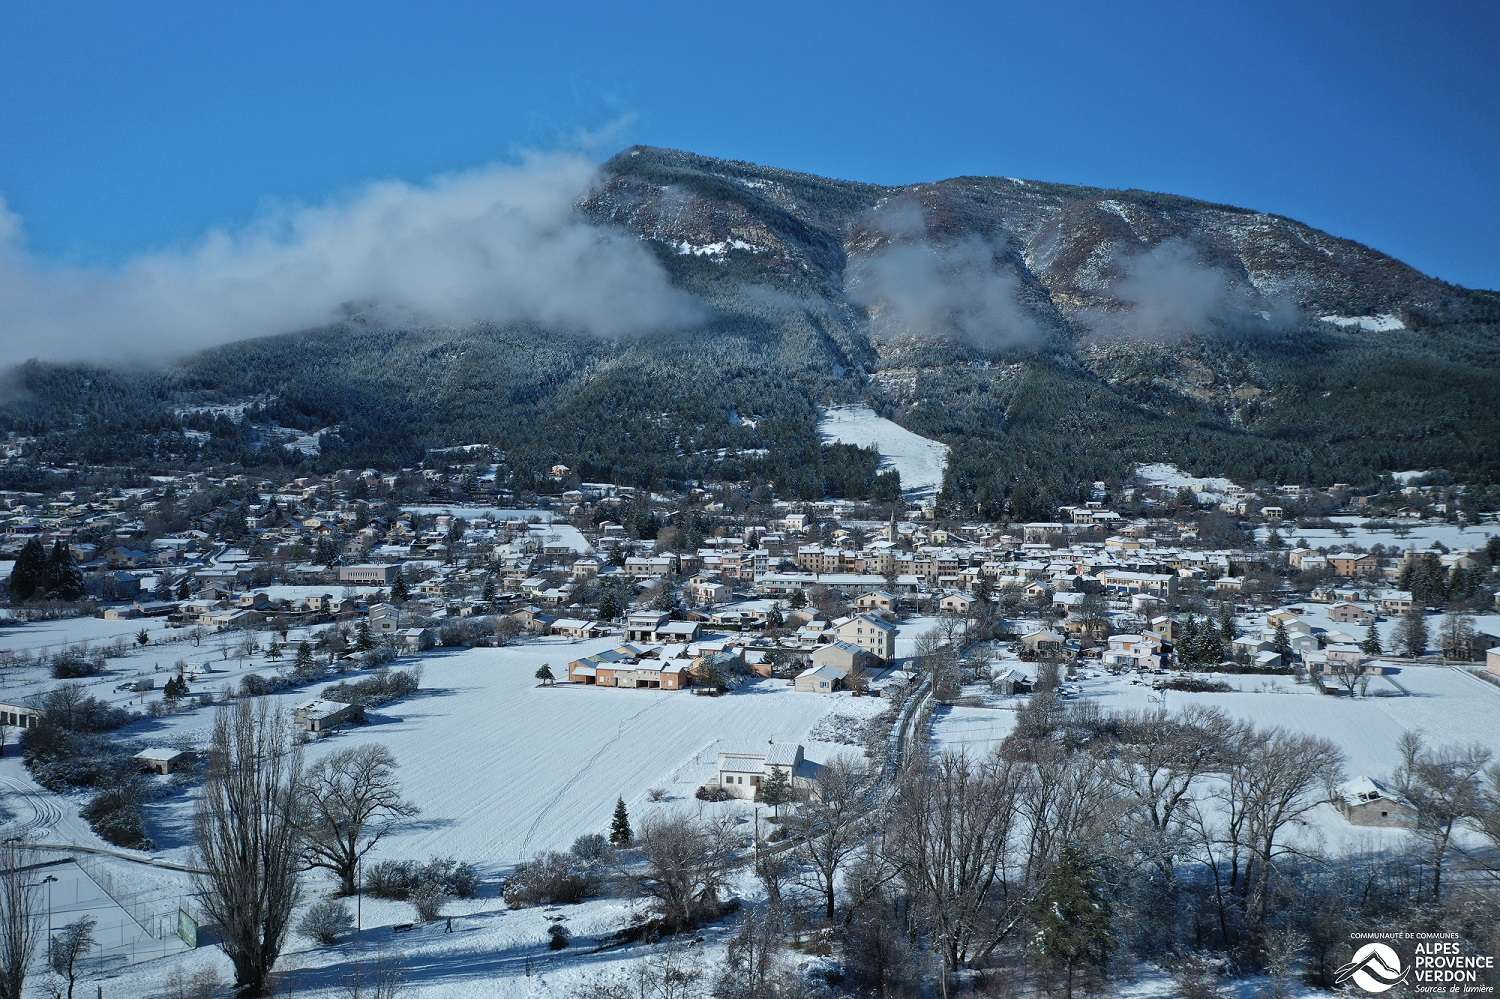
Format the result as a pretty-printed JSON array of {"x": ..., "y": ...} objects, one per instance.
[
  {"x": 348, "y": 801},
  {"x": 1277, "y": 777},
  {"x": 69, "y": 947},
  {"x": 22, "y": 916},
  {"x": 830, "y": 824},
  {"x": 950, "y": 837},
  {"x": 1443, "y": 787},
  {"x": 687, "y": 862},
  {"x": 1346, "y": 675},
  {"x": 248, "y": 843},
  {"x": 1161, "y": 759}
]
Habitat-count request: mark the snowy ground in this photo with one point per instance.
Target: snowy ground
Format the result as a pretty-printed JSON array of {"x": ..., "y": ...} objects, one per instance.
[
  {"x": 1208, "y": 490},
  {"x": 501, "y": 769},
  {"x": 1384, "y": 322},
  {"x": 1351, "y": 532},
  {"x": 919, "y": 461},
  {"x": 1446, "y": 704}
]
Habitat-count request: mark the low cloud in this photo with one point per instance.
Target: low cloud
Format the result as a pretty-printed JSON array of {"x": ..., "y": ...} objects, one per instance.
[
  {"x": 502, "y": 243},
  {"x": 1168, "y": 293},
  {"x": 953, "y": 290}
]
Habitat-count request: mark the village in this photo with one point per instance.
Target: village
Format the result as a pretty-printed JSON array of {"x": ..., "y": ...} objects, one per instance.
[{"x": 708, "y": 651}]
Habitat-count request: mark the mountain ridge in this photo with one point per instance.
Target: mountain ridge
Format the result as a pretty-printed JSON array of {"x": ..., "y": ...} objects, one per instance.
[{"x": 1046, "y": 332}]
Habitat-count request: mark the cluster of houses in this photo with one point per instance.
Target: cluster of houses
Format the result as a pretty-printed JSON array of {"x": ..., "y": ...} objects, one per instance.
[{"x": 806, "y": 589}]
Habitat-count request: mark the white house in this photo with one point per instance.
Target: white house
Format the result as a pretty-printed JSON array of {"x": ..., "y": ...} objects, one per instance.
[{"x": 743, "y": 773}]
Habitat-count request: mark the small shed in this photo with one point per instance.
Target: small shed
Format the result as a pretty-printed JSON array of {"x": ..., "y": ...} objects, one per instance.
[
  {"x": 161, "y": 760},
  {"x": 321, "y": 715}
]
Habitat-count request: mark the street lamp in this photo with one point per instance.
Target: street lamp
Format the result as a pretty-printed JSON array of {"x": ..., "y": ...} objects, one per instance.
[{"x": 49, "y": 880}]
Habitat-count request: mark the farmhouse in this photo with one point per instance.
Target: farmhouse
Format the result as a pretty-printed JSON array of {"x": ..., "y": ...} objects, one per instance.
[
  {"x": 1365, "y": 802},
  {"x": 743, "y": 773},
  {"x": 319, "y": 715}
]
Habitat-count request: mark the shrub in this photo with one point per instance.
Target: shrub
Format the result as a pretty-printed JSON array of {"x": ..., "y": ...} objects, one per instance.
[
  {"x": 202, "y": 983},
  {"x": 71, "y": 664},
  {"x": 1193, "y": 685},
  {"x": 656, "y": 794},
  {"x": 549, "y": 879},
  {"x": 455, "y": 879},
  {"x": 558, "y": 937},
  {"x": 399, "y": 880},
  {"x": 385, "y": 686},
  {"x": 392, "y": 879},
  {"x": 712, "y": 793},
  {"x": 115, "y": 815},
  {"x": 428, "y": 898},
  {"x": 326, "y": 921},
  {"x": 592, "y": 848}
]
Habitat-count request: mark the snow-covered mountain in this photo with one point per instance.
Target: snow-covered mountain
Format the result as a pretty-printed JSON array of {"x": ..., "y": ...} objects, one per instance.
[{"x": 1041, "y": 331}]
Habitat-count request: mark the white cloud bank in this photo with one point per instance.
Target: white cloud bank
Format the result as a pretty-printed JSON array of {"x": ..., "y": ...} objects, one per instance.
[{"x": 502, "y": 243}]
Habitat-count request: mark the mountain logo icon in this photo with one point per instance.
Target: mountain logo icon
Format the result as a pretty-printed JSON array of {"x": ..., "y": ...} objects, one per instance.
[{"x": 1375, "y": 968}]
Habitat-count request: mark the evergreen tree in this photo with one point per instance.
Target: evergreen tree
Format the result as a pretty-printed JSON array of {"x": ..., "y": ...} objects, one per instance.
[
  {"x": 363, "y": 640},
  {"x": 63, "y": 580},
  {"x": 1281, "y": 643},
  {"x": 1411, "y": 633},
  {"x": 609, "y": 604},
  {"x": 1371, "y": 645},
  {"x": 1072, "y": 915},
  {"x": 29, "y": 574},
  {"x": 183, "y": 592},
  {"x": 1187, "y": 642},
  {"x": 1227, "y": 630},
  {"x": 619, "y": 826},
  {"x": 399, "y": 592},
  {"x": 798, "y": 599},
  {"x": 544, "y": 675},
  {"x": 304, "y": 659},
  {"x": 776, "y": 790}
]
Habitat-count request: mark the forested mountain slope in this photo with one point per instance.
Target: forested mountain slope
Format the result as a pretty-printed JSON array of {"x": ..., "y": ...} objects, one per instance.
[{"x": 1051, "y": 334}]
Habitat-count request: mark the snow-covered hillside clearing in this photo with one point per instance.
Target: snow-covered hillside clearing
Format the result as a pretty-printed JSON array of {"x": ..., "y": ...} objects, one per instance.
[{"x": 920, "y": 462}]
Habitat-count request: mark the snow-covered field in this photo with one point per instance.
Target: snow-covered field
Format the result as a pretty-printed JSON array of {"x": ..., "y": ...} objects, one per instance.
[
  {"x": 920, "y": 462},
  {"x": 501, "y": 769},
  {"x": 1418, "y": 534},
  {"x": 1447, "y": 705},
  {"x": 1208, "y": 489}
]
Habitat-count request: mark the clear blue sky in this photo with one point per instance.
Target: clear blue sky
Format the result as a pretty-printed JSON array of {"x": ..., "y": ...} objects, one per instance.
[{"x": 130, "y": 126}]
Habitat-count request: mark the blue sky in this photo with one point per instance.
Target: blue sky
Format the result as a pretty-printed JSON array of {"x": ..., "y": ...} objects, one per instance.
[{"x": 128, "y": 127}]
